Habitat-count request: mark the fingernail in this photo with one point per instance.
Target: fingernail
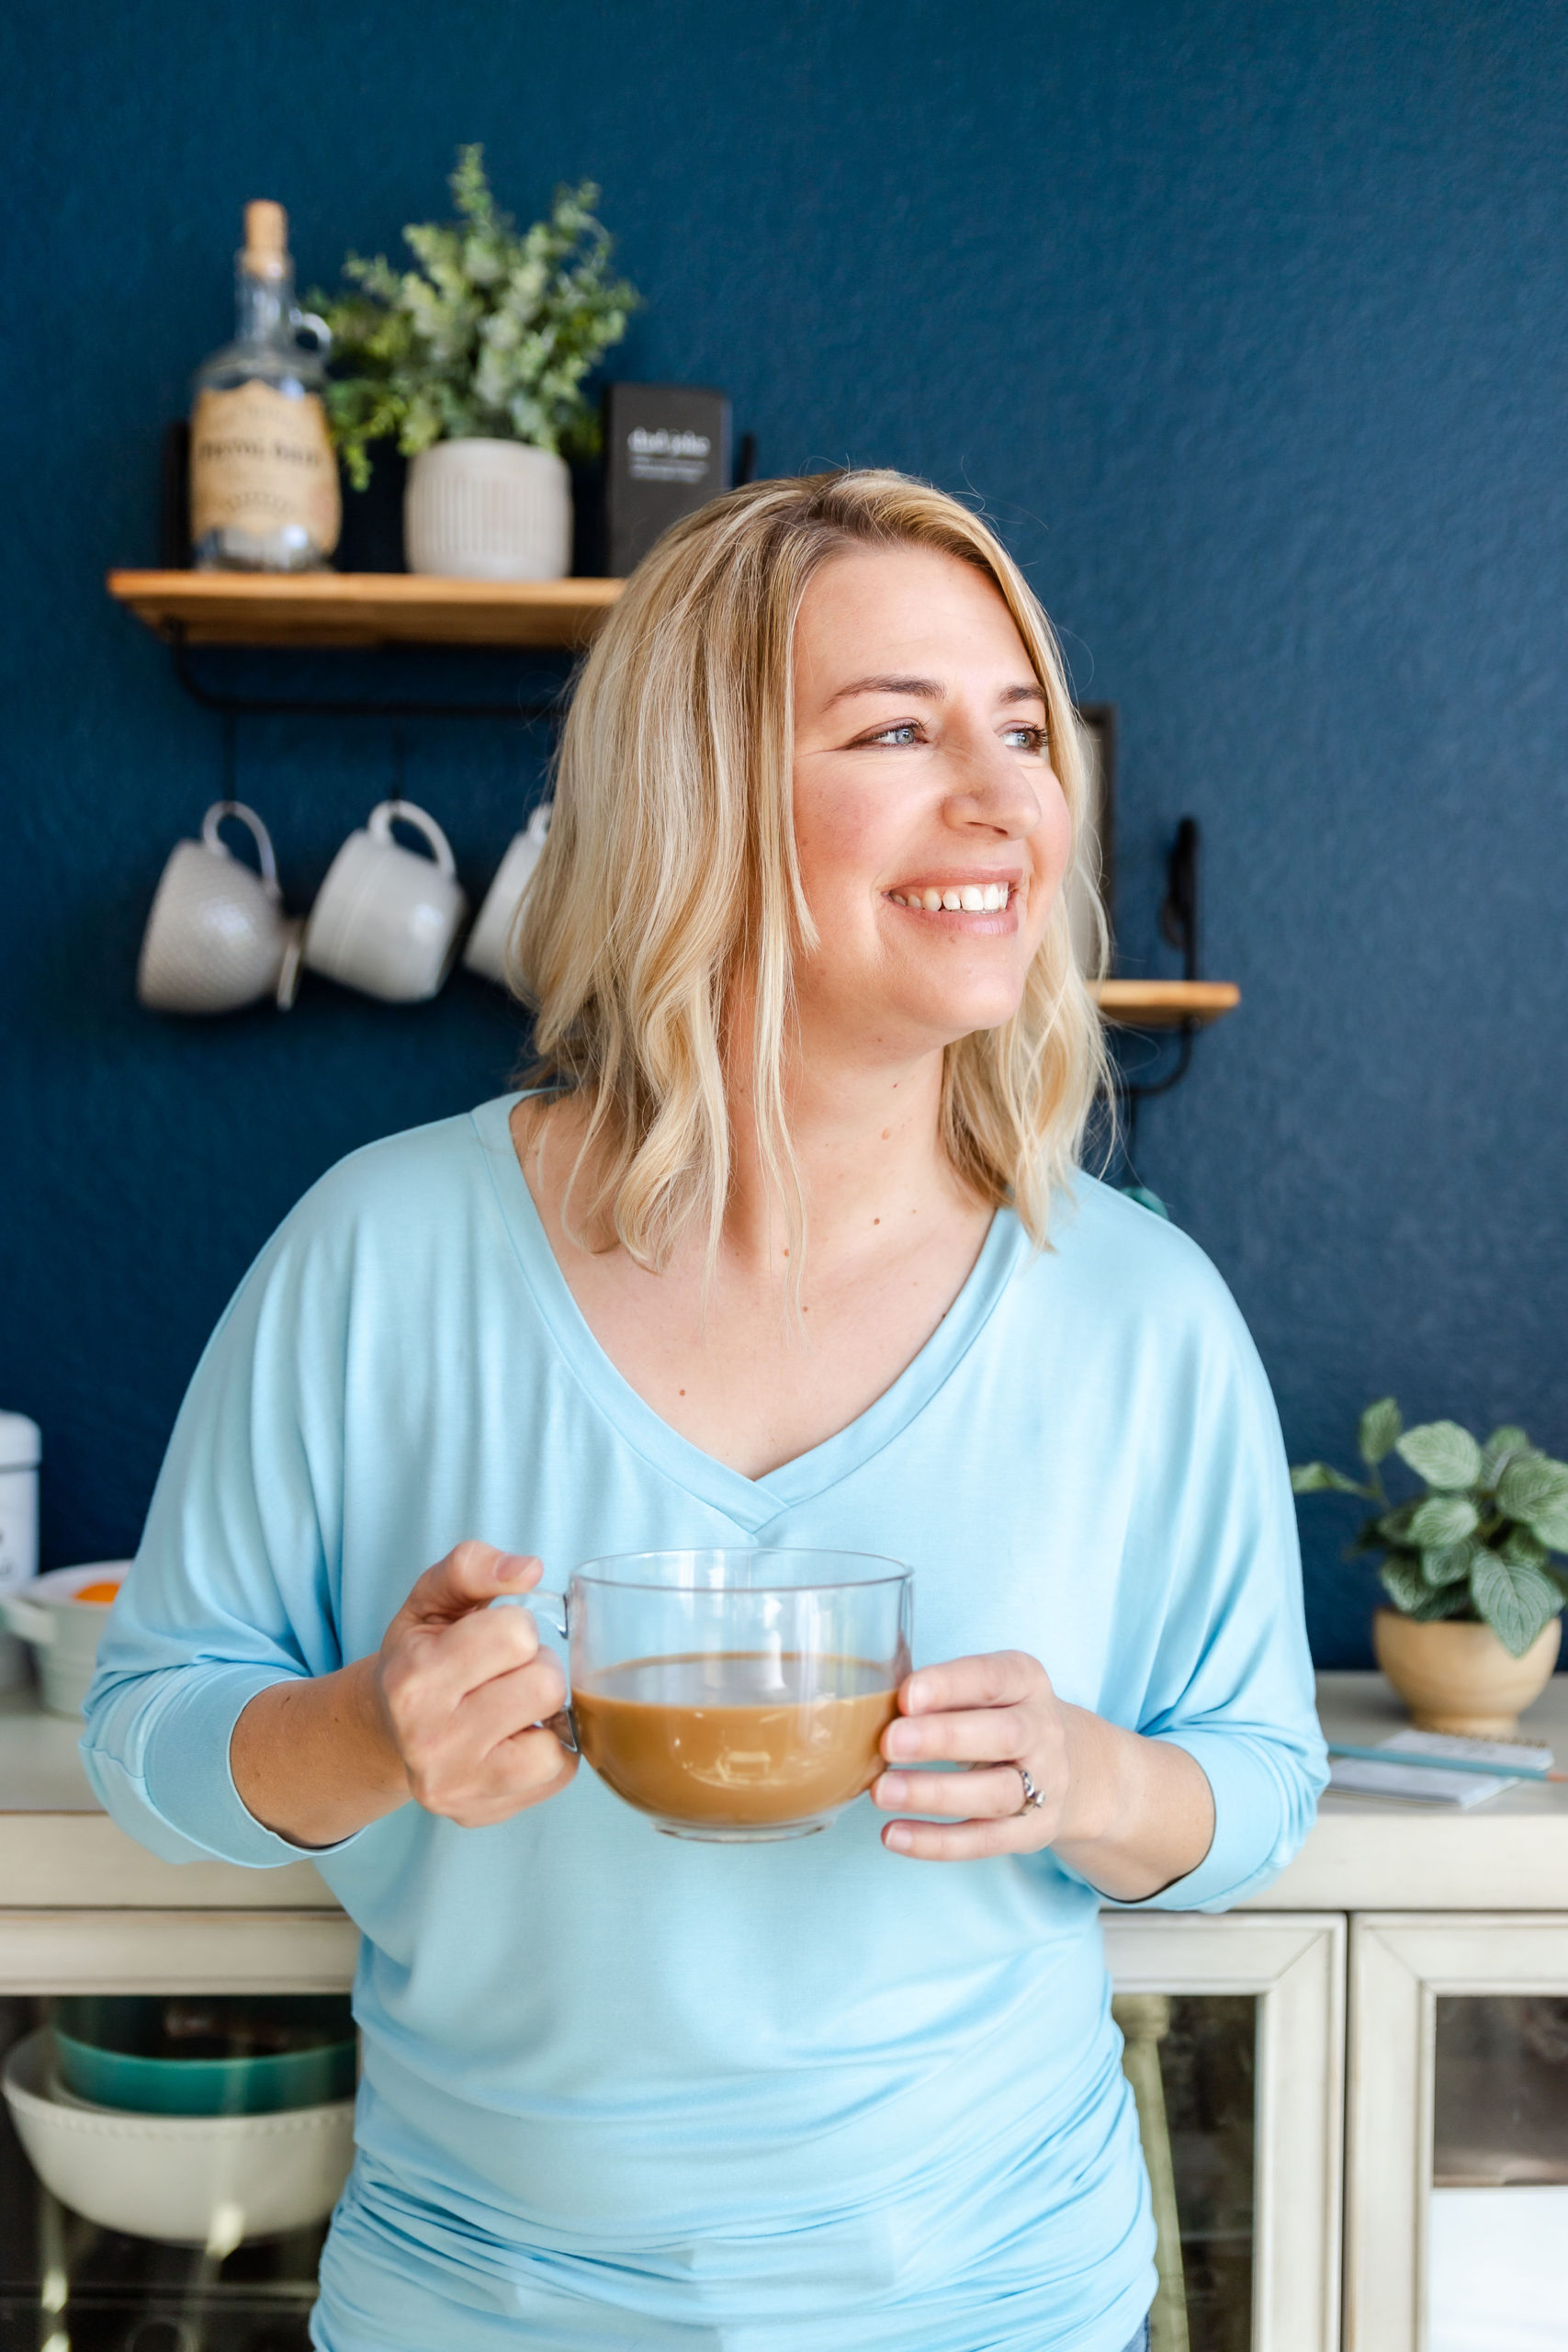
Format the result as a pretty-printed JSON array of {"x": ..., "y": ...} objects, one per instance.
[
  {"x": 897, "y": 1834},
  {"x": 915, "y": 1695},
  {"x": 891, "y": 1790},
  {"x": 902, "y": 1739},
  {"x": 510, "y": 1566}
]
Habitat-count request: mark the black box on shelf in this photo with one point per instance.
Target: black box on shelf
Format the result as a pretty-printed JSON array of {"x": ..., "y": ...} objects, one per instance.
[{"x": 666, "y": 453}]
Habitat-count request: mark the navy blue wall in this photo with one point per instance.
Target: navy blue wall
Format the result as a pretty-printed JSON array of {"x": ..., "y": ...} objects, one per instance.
[{"x": 1249, "y": 324}]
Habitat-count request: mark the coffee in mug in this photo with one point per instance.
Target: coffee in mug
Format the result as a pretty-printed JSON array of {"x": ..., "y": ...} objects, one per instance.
[{"x": 734, "y": 1694}]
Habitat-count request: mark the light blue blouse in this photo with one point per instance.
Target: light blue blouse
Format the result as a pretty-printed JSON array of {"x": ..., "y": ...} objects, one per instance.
[{"x": 624, "y": 2091}]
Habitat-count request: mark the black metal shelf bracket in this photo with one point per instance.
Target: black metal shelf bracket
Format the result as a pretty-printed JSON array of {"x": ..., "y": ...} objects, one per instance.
[
  {"x": 1179, "y": 925},
  {"x": 522, "y": 711}
]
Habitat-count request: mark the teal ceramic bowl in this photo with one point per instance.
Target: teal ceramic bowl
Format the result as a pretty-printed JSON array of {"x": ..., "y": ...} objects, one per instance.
[{"x": 168, "y": 2056}]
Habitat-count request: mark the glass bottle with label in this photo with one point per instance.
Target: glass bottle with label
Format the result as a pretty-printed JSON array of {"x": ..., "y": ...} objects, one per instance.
[{"x": 263, "y": 483}]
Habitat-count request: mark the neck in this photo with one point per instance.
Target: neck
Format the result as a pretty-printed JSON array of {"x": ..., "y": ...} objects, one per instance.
[{"x": 867, "y": 1144}]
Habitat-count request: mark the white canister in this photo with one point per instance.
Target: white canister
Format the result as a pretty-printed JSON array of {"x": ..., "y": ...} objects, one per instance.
[
  {"x": 488, "y": 510},
  {"x": 20, "y": 1448}
]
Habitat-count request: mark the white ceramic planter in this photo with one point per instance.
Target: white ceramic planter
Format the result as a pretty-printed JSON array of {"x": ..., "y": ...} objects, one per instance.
[{"x": 488, "y": 510}]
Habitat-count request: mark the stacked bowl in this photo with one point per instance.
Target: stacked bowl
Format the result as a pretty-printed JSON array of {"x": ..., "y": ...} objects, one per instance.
[{"x": 198, "y": 2122}]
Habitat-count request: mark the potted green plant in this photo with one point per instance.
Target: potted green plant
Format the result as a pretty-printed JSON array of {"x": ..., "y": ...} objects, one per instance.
[
  {"x": 1472, "y": 1633},
  {"x": 475, "y": 361}
]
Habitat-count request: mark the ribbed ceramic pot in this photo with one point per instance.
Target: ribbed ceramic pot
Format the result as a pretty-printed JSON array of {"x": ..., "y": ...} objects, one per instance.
[
  {"x": 1459, "y": 1677},
  {"x": 488, "y": 510}
]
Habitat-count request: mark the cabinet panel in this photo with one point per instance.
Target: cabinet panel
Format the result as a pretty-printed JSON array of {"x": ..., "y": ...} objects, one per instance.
[
  {"x": 1457, "y": 2134},
  {"x": 1249, "y": 2071}
]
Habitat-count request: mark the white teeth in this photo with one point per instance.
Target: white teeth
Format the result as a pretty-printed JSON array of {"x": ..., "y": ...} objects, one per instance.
[{"x": 966, "y": 897}]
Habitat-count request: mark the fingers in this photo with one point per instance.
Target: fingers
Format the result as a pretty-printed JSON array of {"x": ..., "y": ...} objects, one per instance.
[
  {"x": 525, "y": 1771},
  {"x": 981, "y": 1735},
  {"x": 470, "y": 1575},
  {"x": 994, "y": 1795},
  {"x": 966, "y": 1841},
  {"x": 1000, "y": 1679},
  {"x": 487, "y": 1756}
]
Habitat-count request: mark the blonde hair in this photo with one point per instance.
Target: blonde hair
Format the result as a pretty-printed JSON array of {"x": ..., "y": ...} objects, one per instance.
[{"x": 670, "y": 872}]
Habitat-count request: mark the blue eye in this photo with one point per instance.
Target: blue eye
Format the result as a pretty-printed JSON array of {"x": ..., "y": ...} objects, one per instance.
[
  {"x": 906, "y": 731},
  {"x": 1029, "y": 738}
]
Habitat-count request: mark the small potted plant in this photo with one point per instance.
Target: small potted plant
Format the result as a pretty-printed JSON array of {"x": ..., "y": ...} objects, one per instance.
[
  {"x": 1473, "y": 1630},
  {"x": 475, "y": 361}
]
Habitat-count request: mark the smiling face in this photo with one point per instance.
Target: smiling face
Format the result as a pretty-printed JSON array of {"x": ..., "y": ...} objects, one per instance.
[{"x": 930, "y": 830}]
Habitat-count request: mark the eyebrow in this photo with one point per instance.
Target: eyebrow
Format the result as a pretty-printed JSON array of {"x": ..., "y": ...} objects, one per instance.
[{"x": 930, "y": 689}]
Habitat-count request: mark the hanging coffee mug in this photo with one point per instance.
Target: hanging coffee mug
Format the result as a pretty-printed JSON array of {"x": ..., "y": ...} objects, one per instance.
[
  {"x": 216, "y": 936},
  {"x": 387, "y": 920},
  {"x": 486, "y": 950}
]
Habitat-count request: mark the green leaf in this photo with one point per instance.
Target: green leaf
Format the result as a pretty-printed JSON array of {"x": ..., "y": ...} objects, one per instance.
[
  {"x": 1442, "y": 1520},
  {"x": 1412, "y": 1595},
  {"x": 1521, "y": 1549},
  {"x": 1551, "y": 1523},
  {"x": 1378, "y": 1432},
  {"x": 1445, "y": 1455},
  {"x": 1530, "y": 1481},
  {"x": 1393, "y": 1526},
  {"x": 1322, "y": 1478},
  {"x": 1448, "y": 1562},
  {"x": 1499, "y": 1447},
  {"x": 1516, "y": 1601}
]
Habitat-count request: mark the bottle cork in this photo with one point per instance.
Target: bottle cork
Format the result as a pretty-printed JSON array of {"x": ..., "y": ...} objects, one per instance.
[{"x": 266, "y": 239}]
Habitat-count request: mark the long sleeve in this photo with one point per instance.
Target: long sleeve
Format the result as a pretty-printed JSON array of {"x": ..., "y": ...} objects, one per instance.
[
  {"x": 1230, "y": 1676},
  {"x": 234, "y": 1585}
]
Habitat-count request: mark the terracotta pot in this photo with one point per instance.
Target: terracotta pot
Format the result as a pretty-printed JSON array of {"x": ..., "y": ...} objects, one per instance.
[{"x": 1459, "y": 1677}]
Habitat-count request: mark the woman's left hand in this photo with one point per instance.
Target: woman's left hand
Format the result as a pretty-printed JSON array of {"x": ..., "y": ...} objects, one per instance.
[
  {"x": 1128, "y": 1813},
  {"x": 993, "y": 1715}
]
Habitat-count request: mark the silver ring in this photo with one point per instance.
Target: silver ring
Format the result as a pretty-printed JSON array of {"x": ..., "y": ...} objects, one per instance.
[{"x": 1032, "y": 1800}]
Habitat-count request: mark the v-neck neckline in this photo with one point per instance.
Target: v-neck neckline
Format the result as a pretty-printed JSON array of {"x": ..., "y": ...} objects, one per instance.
[{"x": 750, "y": 1502}]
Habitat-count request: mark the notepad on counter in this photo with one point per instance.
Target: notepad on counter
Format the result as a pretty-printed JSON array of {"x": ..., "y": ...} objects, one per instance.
[{"x": 1413, "y": 1771}]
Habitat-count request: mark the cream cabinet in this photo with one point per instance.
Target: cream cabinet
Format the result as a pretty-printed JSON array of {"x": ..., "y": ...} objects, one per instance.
[{"x": 1353, "y": 2091}]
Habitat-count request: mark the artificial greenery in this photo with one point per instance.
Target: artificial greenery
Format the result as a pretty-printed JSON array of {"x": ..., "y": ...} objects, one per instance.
[
  {"x": 1477, "y": 1542},
  {"x": 492, "y": 334}
]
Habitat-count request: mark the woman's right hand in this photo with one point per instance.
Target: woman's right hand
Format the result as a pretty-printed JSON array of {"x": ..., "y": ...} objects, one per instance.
[
  {"x": 465, "y": 1691},
  {"x": 451, "y": 1710}
]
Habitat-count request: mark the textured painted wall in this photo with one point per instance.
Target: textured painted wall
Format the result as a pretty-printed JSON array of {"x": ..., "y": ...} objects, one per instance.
[{"x": 1249, "y": 324}]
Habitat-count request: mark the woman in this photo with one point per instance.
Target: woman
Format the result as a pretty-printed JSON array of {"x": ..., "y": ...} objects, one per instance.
[{"x": 791, "y": 1248}]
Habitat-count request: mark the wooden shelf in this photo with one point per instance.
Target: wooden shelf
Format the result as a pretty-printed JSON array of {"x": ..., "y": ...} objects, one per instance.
[
  {"x": 311, "y": 608},
  {"x": 1165, "y": 1004}
]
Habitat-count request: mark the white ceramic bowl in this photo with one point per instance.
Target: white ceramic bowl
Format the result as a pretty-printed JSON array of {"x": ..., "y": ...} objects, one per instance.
[
  {"x": 211, "y": 2180},
  {"x": 63, "y": 1631}
]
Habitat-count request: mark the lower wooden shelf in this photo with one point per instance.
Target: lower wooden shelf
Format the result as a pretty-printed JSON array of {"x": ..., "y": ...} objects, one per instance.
[{"x": 1165, "y": 1004}]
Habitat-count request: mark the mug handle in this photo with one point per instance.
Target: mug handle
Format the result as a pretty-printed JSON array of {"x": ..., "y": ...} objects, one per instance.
[
  {"x": 211, "y": 838},
  {"x": 538, "y": 830},
  {"x": 388, "y": 813},
  {"x": 318, "y": 326},
  {"x": 555, "y": 1608}
]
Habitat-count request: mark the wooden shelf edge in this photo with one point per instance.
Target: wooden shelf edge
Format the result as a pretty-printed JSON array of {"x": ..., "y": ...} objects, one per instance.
[
  {"x": 326, "y": 608},
  {"x": 1165, "y": 1004}
]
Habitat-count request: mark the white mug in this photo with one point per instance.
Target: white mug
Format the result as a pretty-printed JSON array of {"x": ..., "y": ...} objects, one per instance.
[
  {"x": 216, "y": 935},
  {"x": 387, "y": 920},
  {"x": 486, "y": 950}
]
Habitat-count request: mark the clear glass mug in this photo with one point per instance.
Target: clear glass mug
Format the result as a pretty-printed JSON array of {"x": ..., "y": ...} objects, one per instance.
[{"x": 735, "y": 1695}]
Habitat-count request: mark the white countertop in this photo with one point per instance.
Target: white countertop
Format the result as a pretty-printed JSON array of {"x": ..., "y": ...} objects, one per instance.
[{"x": 58, "y": 1849}]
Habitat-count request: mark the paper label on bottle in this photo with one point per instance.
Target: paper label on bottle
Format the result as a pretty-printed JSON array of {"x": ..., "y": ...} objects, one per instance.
[{"x": 260, "y": 460}]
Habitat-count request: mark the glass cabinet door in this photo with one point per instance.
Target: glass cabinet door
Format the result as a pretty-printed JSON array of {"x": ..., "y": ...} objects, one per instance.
[
  {"x": 176, "y": 2125},
  {"x": 1233, "y": 2032},
  {"x": 1459, "y": 2134}
]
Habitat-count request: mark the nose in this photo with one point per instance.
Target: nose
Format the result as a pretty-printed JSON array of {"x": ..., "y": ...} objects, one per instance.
[{"x": 992, "y": 790}]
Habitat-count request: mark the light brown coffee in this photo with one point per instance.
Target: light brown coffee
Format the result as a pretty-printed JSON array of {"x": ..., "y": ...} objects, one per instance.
[{"x": 736, "y": 1738}]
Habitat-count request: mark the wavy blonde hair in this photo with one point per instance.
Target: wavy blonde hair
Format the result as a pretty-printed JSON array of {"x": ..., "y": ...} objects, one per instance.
[{"x": 669, "y": 888}]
